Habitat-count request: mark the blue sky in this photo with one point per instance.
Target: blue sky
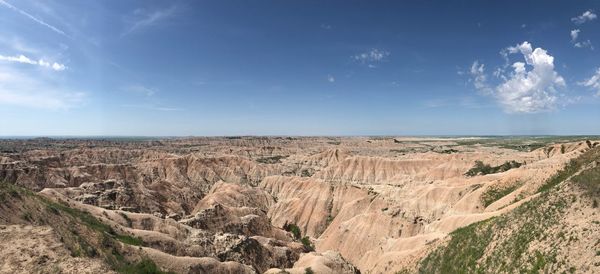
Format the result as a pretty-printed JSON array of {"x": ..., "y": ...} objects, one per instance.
[{"x": 299, "y": 67}]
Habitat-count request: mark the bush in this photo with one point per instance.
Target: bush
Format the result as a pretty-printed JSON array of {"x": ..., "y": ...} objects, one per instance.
[
  {"x": 294, "y": 229},
  {"x": 482, "y": 169},
  {"x": 307, "y": 243},
  {"x": 308, "y": 270}
]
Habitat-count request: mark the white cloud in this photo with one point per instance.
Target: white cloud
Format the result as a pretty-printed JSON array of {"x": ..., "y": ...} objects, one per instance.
[
  {"x": 330, "y": 79},
  {"x": 371, "y": 56},
  {"x": 584, "y": 44},
  {"x": 479, "y": 79},
  {"x": 531, "y": 87},
  {"x": 18, "y": 89},
  {"x": 143, "y": 18},
  {"x": 585, "y": 17},
  {"x": 140, "y": 90},
  {"x": 26, "y": 60},
  {"x": 575, "y": 34},
  {"x": 35, "y": 19},
  {"x": 325, "y": 26},
  {"x": 593, "y": 82}
]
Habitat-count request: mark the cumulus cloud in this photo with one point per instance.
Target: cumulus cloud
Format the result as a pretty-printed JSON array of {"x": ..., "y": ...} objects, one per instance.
[
  {"x": 593, "y": 82},
  {"x": 529, "y": 87},
  {"x": 21, "y": 90},
  {"x": 575, "y": 34},
  {"x": 585, "y": 17},
  {"x": 372, "y": 56},
  {"x": 33, "y": 18},
  {"x": 26, "y": 60}
]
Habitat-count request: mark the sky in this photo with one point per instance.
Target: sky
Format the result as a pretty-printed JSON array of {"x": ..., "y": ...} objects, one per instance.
[{"x": 180, "y": 68}]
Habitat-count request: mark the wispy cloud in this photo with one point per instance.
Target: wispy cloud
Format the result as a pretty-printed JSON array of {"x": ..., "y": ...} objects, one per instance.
[
  {"x": 21, "y": 90},
  {"x": 143, "y": 18},
  {"x": 584, "y": 44},
  {"x": 152, "y": 107},
  {"x": 326, "y": 27},
  {"x": 531, "y": 87},
  {"x": 580, "y": 44},
  {"x": 371, "y": 57},
  {"x": 593, "y": 82},
  {"x": 330, "y": 78},
  {"x": 18, "y": 45},
  {"x": 139, "y": 89},
  {"x": 585, "y": 17},
  {"x": 35, "y": 19},
  {"x": 26, "y": 60}
]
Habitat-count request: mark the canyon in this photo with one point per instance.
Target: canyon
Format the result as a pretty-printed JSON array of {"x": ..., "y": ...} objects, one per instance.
[{"x": 300, "y": 204}]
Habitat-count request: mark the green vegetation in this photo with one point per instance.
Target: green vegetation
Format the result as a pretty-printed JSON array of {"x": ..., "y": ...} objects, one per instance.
[
  {"x": 573, "y": 167},
  {"x": 137, "y": 241},
  {"x": 495, "y": 193},
  {"x": 522, "y": 143},
  {"x": 466, "y": 250},
  {"x": 308, "y": 270},
  {"x": 294, "y": 229},
  {"x": 589, "y": 180},
  {"x": 82, "y": 233},
  {"x": 145, "y": 266},
  {"x": 503, "y": 244},
  {"x": 305, "y": 173},
  {"x": 271, "y": 160},
  {"x": 482, "y": 169},
  {"x": 307, "y": 243}
]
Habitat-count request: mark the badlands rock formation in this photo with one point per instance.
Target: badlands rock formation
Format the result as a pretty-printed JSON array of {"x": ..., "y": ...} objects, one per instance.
[{"x": 277, "y": 204}]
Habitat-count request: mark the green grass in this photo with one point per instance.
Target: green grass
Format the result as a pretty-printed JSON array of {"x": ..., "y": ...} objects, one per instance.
[
  {"x": 467, "y": 248},
  {"x": 462, "y": 252},
  {"x": 589, "y": 180},
  {"x": 470, "y": 249},
  {"x": 571, "y": 168},
  {"x": 82, "y": 233},
  {"x": 494, "y": 194},
  {"x": 137, "y": 241}
]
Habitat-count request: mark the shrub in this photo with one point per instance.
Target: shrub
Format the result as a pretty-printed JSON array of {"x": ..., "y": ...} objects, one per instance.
[
  {"x": 307, "y": 243},
  {"x": 482, "y": 169},
  {"x": 294, "y": 229}
]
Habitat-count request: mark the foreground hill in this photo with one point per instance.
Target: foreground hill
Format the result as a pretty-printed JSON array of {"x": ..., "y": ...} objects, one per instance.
[{"x": 327, "y": 205}]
